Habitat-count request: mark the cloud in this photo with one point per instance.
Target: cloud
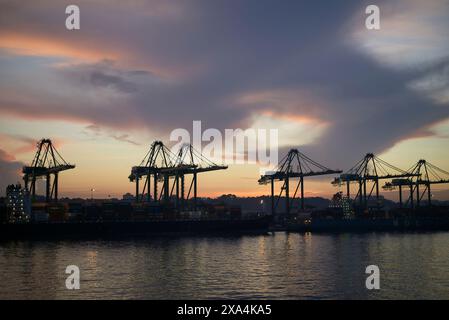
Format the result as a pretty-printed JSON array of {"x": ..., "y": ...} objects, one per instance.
[
  {"x": 17, "y": 144},
  {"x": 434, "y": 83},
  {"x": 105, "y": 80},
  {"x": 9, "y": 170},
  {"x": 412, "y": 33},
  {"x": 224, "y": 64},
  {"x": 125, "y": 138},
  {"x": 104, "y": 75},
  {"x": 96, "y": 131}
]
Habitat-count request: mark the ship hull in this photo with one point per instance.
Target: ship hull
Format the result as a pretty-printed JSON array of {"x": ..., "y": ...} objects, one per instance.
[{"x": 118, "y": 229}]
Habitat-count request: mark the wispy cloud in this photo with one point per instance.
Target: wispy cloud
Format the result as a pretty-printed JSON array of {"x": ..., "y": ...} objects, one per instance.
[
  {"x": 125, "y": 138},
  {"x": 97, "y": 131}
]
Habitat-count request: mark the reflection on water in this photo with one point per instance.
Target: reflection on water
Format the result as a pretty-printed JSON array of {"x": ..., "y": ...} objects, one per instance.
[{"x": 275, "y": 266}]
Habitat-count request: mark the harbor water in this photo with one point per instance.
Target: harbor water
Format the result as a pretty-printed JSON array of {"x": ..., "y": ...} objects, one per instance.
[{"x": 273, "y": 266}]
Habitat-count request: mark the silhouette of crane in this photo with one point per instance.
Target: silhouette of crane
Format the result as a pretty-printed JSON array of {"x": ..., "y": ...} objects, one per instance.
[
  {"x": 293, "y": 166},
  {"x": 157, "y": 160},
  {"x": 161, "y": 164},
  {"x": 370, "y": 168},
  {"x": 190, "y": 161},
  {"x": 423, "y": 174},
  {"x": 47, "y": 161}
]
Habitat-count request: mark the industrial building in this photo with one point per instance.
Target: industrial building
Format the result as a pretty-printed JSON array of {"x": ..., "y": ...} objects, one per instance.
[{"x": 18, "y": 204}]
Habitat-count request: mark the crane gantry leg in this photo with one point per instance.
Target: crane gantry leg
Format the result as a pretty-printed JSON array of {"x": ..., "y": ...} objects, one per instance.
[
  {"x": 195, "y": 191},
  {"x": 302, "y": 192},
  {"x": 287, "y": 196},
  {"x": 47, "y": 188},
  {"x": 348, "y": 190},
  {"x": 272, "y": 197},
  {"x": 149, "y": 188},
  {"x": 155, "y": 187},
  {"x": 137, "y": 189},
  {"x": 418, "y": 196}
]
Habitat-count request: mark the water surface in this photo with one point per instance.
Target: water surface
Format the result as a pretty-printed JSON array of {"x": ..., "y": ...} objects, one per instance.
[{"x": 273, "y": 266}]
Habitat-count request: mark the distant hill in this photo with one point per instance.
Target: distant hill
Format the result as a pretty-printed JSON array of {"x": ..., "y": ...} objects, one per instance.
[{"x": 263, "y": 203}]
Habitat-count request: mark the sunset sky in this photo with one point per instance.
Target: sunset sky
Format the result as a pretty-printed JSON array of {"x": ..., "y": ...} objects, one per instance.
[{"x": 136, "y": 70}]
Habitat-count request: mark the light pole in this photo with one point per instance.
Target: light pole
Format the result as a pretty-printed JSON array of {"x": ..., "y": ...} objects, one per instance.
[{"x": 92, "y": 194}]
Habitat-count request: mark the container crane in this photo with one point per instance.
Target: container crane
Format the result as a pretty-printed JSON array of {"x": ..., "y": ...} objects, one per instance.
[
  {"x": 156, "y": 166},
  {"x": 47, "y": 162},
  {"x": 161, "y": 164},
  {"x": 295, "y": 165},
  {"x": 190, "y": 161},
  {"x": 424, "y": 174},
  {"x": 369, "y": 169}
]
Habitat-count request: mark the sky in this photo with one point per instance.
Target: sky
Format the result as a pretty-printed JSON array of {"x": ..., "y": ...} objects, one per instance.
[{"x": 137, "y": 70}]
